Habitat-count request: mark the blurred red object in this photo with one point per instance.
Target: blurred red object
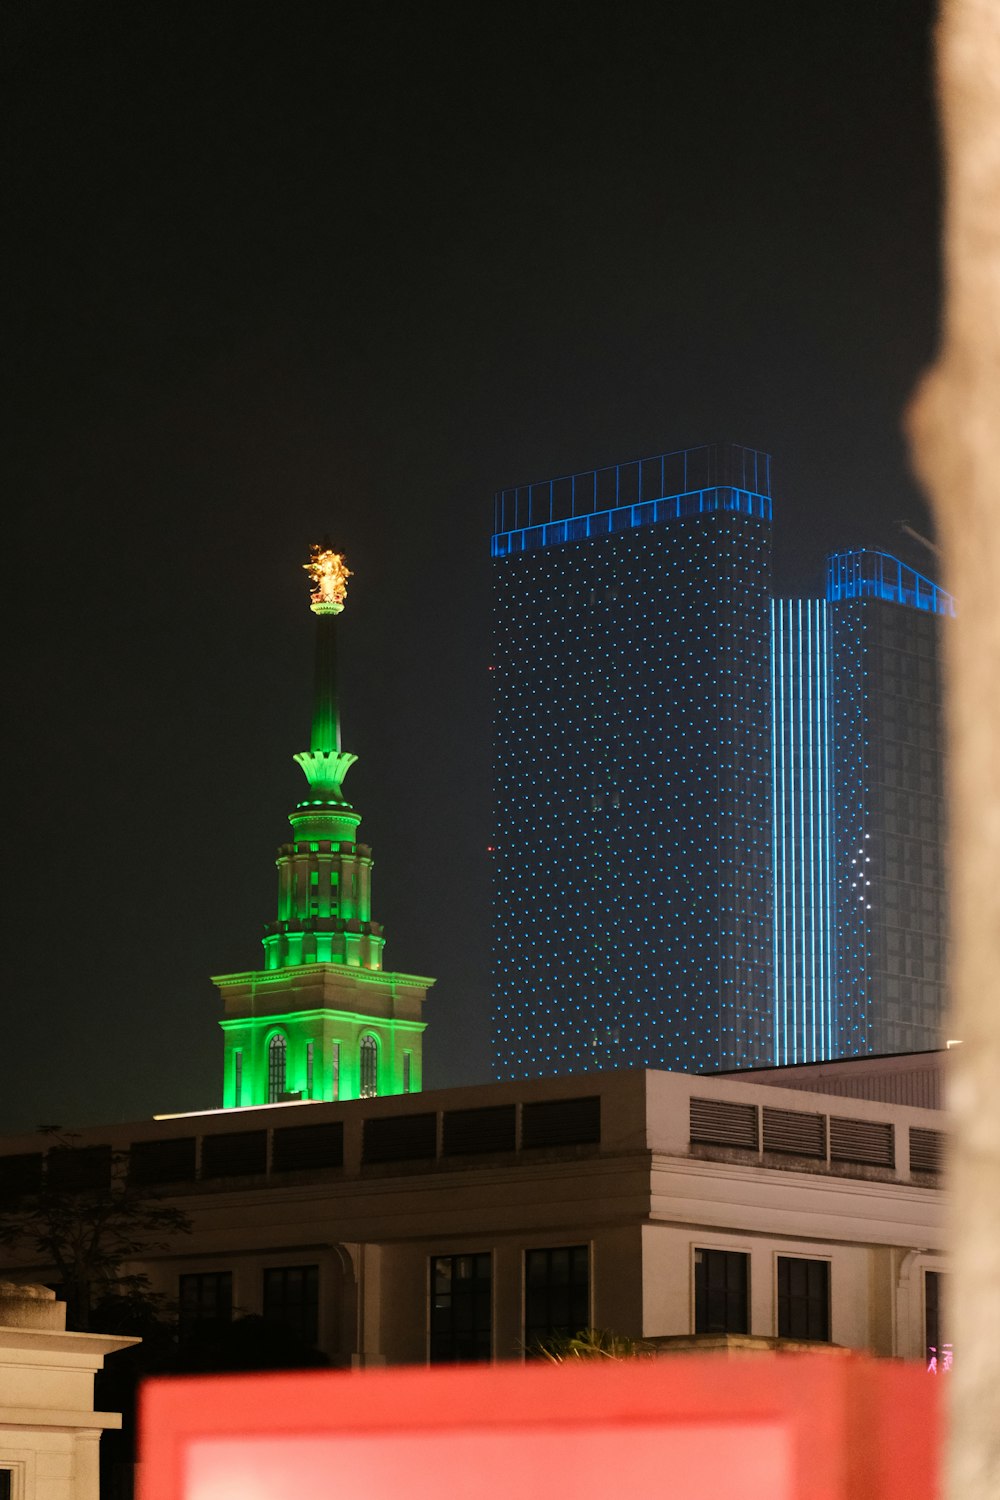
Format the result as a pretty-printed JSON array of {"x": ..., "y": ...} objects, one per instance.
[{"x": 765, "y": 1427}]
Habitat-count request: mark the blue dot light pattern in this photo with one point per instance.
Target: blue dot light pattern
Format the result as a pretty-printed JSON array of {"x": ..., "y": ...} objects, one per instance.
[
  {"x": 888, "y": 824},
  {"x": 632, "y": 849},
  {"x": 802, "y": 831}
]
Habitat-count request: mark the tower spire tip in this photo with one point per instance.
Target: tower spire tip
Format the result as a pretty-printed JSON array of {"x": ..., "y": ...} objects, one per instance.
[{"x": 328, "y": 574}]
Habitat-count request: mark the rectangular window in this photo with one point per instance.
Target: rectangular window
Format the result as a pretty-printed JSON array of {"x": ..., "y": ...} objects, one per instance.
[
  {"x": 237, "y": 1083},
  {"x": 406, "y": 1072},
  {"x": 309, "y": 1070},
  {"x": 206, "y": 1297},
  {"x": 803, "y": 1298},
  {"x": 556, "y": 1293},
  {"x": 291, "y": 1298},
  {"x": 721, "y": 1281},
  {"x": 5, "y": 1486},
  {"x": 935, "y": 1345},
  {"x": 461, "y": 1316},
  {"x": 335, "y": 1092}
]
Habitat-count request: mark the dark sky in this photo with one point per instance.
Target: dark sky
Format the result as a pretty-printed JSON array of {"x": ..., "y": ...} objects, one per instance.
[{"x": 277, "y": 270}]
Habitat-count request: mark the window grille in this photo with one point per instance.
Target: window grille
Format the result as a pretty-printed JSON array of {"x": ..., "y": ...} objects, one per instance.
[
  {"x": 20, "y": 1176},
  {"x": 79, "y": 1169},
  {"x": 400, "y": 1138},
  {"x": 715, "y": 1122},
  {"x": 369, "y": 1067},
  {"x": 556, "y": 1292},
  {"x": 796, "y": 1132},
  {"x": 868, "y": 1142},
  {"x": 470, "y": 1131},
  {"x": 205, "y": 1297},
  {"x": 170, "y": 1159},
  {"x": 461, "y": 1317},
  {"x": 291, "y": 1299},
  {"x": 562, "y": 1122},
  {"x": 934, "y": 1348},
  {"x": 234, "y": 1153},
  {"x": 277, "y": 1058},
  {"x": 302, "y": 1148},
  {"x": 721, "y": 1282},
  {"x": 926, "y": 1150},
  {"x": 803, "y": 1298}
]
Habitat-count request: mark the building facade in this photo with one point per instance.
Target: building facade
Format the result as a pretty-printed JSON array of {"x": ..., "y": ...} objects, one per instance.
[
  {"x": 471, "y": 1223},
  {"x": 719, "y": 816},
  {"x": 859, "y": 813},
  {"x": 49, "y": 1431},
  {"x": 632, "y": 889},
  {"x": 322, "y": 1019}
]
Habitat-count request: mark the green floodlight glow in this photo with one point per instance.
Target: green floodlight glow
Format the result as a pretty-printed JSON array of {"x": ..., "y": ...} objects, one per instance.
[{"x": 324, "y": 945}]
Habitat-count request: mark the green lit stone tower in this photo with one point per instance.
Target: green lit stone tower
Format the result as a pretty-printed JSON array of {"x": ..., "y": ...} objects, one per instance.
[{"x": 322, "y": 1019}]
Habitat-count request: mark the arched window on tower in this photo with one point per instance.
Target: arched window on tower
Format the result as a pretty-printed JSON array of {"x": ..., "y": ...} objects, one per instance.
[
  {"x": 369, "y": 1067},
  {"x": 277, "y": 1053}
]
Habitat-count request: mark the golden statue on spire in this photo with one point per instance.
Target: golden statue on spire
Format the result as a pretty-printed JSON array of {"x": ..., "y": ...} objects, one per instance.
[{"x": 328, "y": 573}]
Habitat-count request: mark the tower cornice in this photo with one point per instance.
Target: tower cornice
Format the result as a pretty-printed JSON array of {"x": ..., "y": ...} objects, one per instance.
[{"x": 380, "y": 978}]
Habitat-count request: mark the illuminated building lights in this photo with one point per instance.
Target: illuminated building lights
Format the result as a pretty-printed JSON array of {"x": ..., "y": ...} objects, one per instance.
[
  {"x": 802, "y": 793},
  {"x": 685, "y": 770},
  {"x": 867, "y": 574},
  {"x": 632, "y": 913},
  {"x": 321, "y": 1020}
]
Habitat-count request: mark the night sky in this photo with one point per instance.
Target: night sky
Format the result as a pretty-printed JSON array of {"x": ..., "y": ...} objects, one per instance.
[{"x": 273, "y": 271}]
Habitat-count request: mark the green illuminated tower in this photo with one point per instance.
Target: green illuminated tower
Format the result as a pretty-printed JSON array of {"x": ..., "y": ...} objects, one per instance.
[{"x": 322, "y": 1019}]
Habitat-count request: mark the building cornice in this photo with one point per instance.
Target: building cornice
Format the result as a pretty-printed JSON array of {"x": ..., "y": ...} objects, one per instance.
[
  {"x": 324, "y": 1013},
  {"x": 384, "y": 978}
]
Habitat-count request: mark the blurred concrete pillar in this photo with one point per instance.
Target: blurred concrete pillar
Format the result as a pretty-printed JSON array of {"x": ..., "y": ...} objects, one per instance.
[{"x": 955, "y": 427}]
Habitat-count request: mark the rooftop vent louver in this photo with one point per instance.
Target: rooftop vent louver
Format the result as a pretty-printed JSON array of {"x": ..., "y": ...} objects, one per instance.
[{"x": 718, "y": 1122}]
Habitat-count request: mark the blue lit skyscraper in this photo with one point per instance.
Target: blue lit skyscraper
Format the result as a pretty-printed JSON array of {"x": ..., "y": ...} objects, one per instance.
[
  {"x": 632, "y": 888},
  {"x": 858, "y": 801},
  {"x": 719, "y": 816},
  {"x": 889, "y": 811}
]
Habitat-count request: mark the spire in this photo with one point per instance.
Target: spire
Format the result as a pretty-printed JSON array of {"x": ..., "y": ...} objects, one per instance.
[
  {"x": 324, "y": 764},
  {"x": 326, "y": 710},
  {"x": 321, "y": 1019}
]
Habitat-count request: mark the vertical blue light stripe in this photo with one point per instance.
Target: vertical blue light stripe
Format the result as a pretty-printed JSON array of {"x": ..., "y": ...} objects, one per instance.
[
  {"x": 776, "y": 781},
  {"x": 802, "y": 834}
]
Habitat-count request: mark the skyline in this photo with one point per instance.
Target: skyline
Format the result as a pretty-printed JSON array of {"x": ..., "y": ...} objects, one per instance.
[{"x": 252, "y": 307}]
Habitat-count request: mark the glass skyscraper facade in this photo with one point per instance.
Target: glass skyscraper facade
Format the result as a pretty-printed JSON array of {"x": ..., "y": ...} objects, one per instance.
[
  {"x": 889, "y": 803},
  {"x": 632, "y": 890},
  {"x": 860, "y": 934},
  {"x": 718, "y": 815}
]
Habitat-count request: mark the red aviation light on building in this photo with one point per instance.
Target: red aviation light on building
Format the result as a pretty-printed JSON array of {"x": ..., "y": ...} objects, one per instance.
[{"x": 768, "y": 1427}]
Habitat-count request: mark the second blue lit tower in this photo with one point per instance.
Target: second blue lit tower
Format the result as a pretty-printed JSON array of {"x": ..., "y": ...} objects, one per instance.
[{"x": 860, "y": 934}]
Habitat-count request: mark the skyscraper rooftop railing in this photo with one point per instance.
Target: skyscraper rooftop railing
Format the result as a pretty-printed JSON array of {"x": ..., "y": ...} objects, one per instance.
[
  {"x": 691, "y": 481},
  {"x": 867, "y": 574}
]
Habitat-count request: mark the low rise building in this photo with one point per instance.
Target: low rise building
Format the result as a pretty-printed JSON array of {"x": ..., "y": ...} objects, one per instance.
[{"x": 469, "y": 1223}]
